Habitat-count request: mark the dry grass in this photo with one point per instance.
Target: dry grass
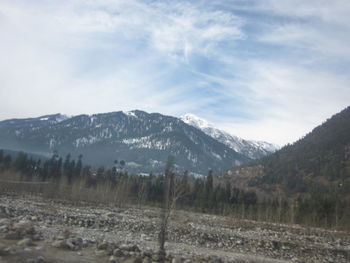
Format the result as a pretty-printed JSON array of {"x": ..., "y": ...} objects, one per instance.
[{"x": 103, "y": 193}]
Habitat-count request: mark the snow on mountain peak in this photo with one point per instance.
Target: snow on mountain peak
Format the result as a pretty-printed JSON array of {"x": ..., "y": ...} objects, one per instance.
[
  {"x": 62, "y": 117},
  {"x": 251, "y": 149},
  {"x": 56, "y": 118},
  {"x": 196, "y": 121},
  {"x": 130, "y": 113}
]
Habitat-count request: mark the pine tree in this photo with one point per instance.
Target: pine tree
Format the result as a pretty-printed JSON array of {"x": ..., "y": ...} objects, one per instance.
[
  {"x": 78, "y": 166},
  {"x": 1, "y": 156}
]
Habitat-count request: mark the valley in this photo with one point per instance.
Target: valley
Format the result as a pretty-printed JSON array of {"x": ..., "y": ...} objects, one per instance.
[{"x": 288, "y": 206}]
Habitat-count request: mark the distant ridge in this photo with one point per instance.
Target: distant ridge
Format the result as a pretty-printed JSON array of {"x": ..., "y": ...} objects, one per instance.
[
  {"x": 251, "y": 149},
  {"x": 142, "y": 139}
]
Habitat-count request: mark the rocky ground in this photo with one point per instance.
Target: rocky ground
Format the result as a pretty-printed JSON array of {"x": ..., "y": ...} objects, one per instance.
[{"x": 36, "y": 230}]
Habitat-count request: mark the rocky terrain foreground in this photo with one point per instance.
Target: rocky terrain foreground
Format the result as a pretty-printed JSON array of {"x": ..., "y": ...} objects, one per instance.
[{"x": 36, "y": 230}]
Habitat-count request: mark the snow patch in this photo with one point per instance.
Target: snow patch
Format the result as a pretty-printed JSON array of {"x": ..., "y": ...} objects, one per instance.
[
  {"x": 216, "y": 156},
  {"x": 133, "y": 164},
  {"x": 52, "y": 143},
  {"x": 130, "y": 114},
  {"x": 62, "y": 117},
  {"x": 147, "y": 143},
  {"x": 81, "y": 142}
]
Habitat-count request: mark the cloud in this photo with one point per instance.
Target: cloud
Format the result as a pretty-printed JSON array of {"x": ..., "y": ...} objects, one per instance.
[
  {"x": 290, "y": 98},
  {"x": 73, "y": 49},
  {"x": 294, "y": 76},
  {"x": 267, "y": 69},
  {"x": 328, "y": 11}
]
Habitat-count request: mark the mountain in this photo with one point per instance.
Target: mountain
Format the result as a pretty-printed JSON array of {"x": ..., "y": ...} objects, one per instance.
[
  {"x": 143, "y": 140},
  {"x": 317, "y": 163},
  {"x": 251, "y": 149}
]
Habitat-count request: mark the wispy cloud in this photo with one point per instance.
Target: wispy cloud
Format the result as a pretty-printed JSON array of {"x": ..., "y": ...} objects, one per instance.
[{"x": 264, "y": 69}]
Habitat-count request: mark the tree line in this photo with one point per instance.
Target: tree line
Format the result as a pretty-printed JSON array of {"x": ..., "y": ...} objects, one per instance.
[{"x": 206, "y": 194}]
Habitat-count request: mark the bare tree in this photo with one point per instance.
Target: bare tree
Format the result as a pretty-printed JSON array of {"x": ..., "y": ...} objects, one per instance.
[
  {"x": 174, "y": 188},
  {"x": 142, "y": 194}
]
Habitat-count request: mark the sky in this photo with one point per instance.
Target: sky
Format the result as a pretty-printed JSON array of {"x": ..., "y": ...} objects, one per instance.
[{"x": 260, "y": 69}]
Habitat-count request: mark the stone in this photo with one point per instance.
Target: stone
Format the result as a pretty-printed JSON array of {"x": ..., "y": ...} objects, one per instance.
[
  {"x": 39, "y": 249},
  {"x": 102, "y": 246},
  {"x": 133, "y": 260},
  {"x": 285, "y": 248},
  {"x": 156, "y": 257},
  {"x": 110, "y": 214},
  {"x": 25, "y": 242},
  {"x": 86, "y": 243},
  {"x": 12, "y": 235},
  {"x": 5, "y": 222},
  {"x": 176, "y": 260},
  {"x": 215, "y": 259},
  {"x": 118, "y": 253},
  {"x": 40, "y": 259},
  {"x": 74, "y": 243},
  {"x": 27, "y": 250},
  {"x": 24, "y": 228},
  {"x": 100, "y": 253},
  {"x": 3, "y": 228},
  {"x": 111, "y": 247},
  {"x": 36, "y": 237},
  {"x": 129, "y": 247},
  {"x": 70, "y": 244},
  {"x": 3, "y": 249},
  {"x": 145, "y": 237},
  {"x": 60, "y": 244},
  {"x": 147, "y": 253},
  {"x": 114, "y": 259}
]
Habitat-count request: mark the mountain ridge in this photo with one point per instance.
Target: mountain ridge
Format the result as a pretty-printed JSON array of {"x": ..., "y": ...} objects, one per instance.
[
  {"x": 249, "y": 148},
  {"x": 143, "y": 139}
]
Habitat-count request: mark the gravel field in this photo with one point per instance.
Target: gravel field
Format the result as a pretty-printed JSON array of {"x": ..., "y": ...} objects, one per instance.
[{"x": 36, "y": 230}]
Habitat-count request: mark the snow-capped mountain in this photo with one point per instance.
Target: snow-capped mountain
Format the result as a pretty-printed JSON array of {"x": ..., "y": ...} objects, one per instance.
[
  {"x": 143, "y": 140},
  {"x": 251, "y": 149}
]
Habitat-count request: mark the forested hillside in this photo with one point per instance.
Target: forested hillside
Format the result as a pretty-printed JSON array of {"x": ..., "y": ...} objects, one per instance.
[
  {"x": 312, "y": 175},
  {"x": 317, "y": 161}
]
